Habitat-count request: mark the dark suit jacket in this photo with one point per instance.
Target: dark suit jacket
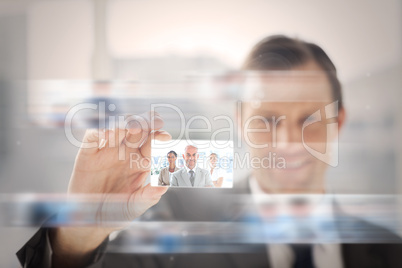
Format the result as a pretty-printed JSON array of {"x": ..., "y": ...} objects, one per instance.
[{"x": 191, "y": 205}]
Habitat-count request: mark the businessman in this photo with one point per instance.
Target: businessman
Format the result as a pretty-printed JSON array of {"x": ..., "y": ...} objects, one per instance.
[
  {"x": 303, "y": 81},
  {"x": 191, "y": 175}
]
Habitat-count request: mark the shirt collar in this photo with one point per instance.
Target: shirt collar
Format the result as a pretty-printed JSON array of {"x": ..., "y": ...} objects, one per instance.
[
  {"x": 188, "y": 170},
  {"x": 321, "y": 206}
]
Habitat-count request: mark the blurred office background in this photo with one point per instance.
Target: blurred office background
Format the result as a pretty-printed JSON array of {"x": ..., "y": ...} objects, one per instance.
[{"x": 66, "y": 44}]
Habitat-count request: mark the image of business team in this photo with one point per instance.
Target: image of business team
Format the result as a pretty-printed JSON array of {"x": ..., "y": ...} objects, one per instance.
[
  {"x": 166, "y": 173},
  {"x": 191, "y": 175}
]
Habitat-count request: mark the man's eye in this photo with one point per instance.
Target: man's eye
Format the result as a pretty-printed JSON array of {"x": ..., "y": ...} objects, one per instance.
[{"x": 260, "y": 123}]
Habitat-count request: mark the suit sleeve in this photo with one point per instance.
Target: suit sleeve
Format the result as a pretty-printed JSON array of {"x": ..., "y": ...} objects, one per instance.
[
  {"x": 160, "y": 179},
  {"x": 37, "y": 252}
]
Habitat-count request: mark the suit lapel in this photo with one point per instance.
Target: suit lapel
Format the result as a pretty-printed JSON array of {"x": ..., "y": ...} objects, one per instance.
[
  {"x": 184, "y": 177},
  {"x": 362, "y": 255},
  {"x": 197, "y": 179}
]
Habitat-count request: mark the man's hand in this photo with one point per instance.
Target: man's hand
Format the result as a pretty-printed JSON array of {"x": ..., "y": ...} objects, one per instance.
[{"x": 111, "y": 166}]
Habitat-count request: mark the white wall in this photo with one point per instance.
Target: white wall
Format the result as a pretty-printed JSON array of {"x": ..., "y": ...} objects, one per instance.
[
  {"x": 362, "y": 36},
  {"x": 59, "y": 39}
]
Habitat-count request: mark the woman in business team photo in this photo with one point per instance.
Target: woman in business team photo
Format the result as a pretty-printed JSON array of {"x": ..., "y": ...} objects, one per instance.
[
  {"x": 166, "y": 173},
  {"x": 216, "y": 173}
]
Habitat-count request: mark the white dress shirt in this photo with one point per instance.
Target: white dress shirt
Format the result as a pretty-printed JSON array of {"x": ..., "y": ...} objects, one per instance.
[
  {"x": 216, "y": 174},
  {"x": 281, "y": 255},
  {"x": 188, "y": 170}
]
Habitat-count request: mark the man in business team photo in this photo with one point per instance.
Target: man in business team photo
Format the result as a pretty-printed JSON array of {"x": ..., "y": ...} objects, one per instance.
[
  {"x": 191, "y": 175},
  {"x": 303, "y": 80}
]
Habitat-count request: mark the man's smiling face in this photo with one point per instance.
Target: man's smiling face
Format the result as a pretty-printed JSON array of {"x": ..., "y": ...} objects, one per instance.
[
  {"x": 191, "y": 156},
  {"x": 274, "y": 128}
]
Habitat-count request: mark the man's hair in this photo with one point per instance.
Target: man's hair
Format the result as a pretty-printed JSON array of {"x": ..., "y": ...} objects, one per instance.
[
  {"x": 172, "y": 152},
  {"x": 213, "y": 154},
  {"x": 279, "y": 53},
  {"x": 188, "y": 146}
]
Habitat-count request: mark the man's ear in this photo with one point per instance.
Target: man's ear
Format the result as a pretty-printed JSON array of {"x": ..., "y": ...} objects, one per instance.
[
  {"x": 183, "y": 156},
  {"x": 341, "y": 118}
]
